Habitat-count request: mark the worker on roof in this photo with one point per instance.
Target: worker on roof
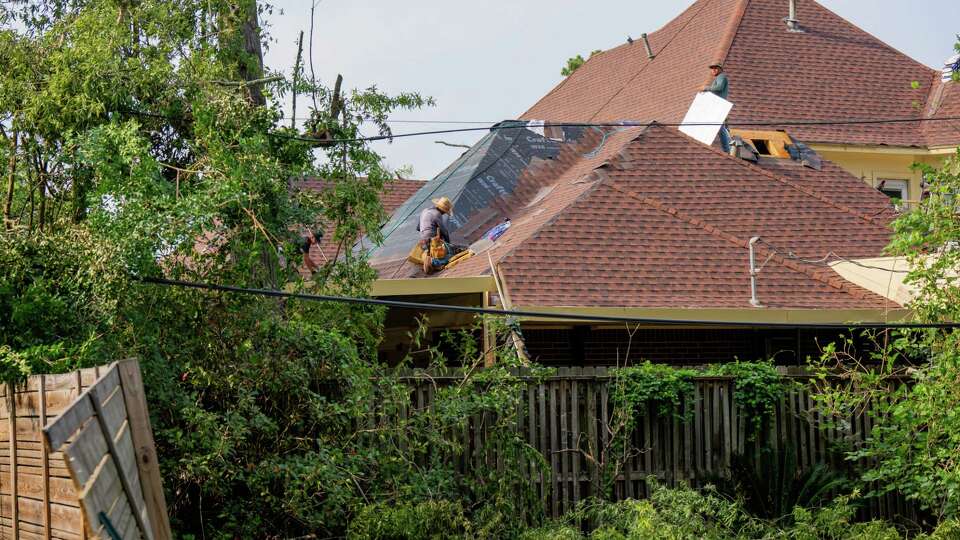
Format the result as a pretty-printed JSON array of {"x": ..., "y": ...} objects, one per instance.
[
  {"x": 311, "y": 239},
  {"x": 720, "y": 87},
  {"x": 434, "y": 222}
]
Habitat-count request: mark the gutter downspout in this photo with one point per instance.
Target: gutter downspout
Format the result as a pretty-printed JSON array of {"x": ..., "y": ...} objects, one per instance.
[{"x": 753, "y": 274}]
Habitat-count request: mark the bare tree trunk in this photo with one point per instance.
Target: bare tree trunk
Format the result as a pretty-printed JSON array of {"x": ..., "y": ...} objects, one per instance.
[
  {"x": 251, "y": 68},
  {"x": 297, "y": 66},
  {"x": 11, "y": 179},
  {"x": 42, "y": 216},
  {"x": 313, "y": 75},
  {"x": 32, "y": 206}
]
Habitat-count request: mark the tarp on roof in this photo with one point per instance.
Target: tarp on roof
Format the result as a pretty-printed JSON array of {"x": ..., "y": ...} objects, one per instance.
[{"x": 482, "y": 183}]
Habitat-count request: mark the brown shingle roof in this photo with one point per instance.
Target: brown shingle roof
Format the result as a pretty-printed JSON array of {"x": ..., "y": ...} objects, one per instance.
[
  {"x": 657, "y": 219},
  {"x": 944, "y": 102},
  {"x": 831, "y": 71}
]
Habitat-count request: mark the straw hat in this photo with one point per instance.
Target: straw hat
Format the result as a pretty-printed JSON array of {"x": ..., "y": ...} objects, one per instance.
[{"x": 444, "y": 204}]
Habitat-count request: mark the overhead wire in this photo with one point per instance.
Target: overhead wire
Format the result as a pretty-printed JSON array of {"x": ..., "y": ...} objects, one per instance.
[
  {"x": 823, "y": 261},
  {"x": 622, "y": 124},
  {"x": 495, "y": 127},
  {"x": 420, "y": 306}
]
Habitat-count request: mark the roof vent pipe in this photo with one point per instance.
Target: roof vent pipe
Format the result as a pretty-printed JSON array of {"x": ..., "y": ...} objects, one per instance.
[
  {"x": 793, "y": 25},
  {"x": 754, "y": 301},
  {"x": 646, "y": 45}
]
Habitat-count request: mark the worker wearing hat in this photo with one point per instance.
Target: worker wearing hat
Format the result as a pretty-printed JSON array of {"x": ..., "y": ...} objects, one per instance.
[
  {"x": 720, "y": 87},
  {"x": 433, "y": 220}
]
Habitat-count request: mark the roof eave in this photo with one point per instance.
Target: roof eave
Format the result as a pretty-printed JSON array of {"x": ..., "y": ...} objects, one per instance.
[
  {"x": 881, "y": 148},
  {"x": 735, "y": 316},
  {"x": 428, "y": 286}
]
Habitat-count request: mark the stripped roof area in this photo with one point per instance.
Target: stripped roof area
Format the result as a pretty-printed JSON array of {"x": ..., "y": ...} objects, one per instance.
[
  {"x": 655, "y": 219},
  {"x": 831, "y": 71}
]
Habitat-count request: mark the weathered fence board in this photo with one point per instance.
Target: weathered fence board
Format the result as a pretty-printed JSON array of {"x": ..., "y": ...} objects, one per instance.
[
  {"x": 47, "y": 505},
  {"x": 567, "y": 419},
  {"x": 38, "y": 478},
  {"x": 101, "y": 458}
]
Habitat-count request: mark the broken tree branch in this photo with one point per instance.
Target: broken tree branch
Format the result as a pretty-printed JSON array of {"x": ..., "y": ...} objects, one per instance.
[{"x": 455, "y": 145}]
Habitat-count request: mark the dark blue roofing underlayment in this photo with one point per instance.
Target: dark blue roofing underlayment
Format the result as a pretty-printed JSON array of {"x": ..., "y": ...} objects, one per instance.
[{"x": 486, "y": 173}]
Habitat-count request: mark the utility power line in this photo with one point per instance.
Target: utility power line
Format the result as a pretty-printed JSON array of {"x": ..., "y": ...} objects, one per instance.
[
  {"x": 522, "y": 313},
  {"x": 626, "y": 124}
]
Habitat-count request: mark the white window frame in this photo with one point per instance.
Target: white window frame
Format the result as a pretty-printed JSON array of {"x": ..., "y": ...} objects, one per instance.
[{"x": 891, "y": 184}]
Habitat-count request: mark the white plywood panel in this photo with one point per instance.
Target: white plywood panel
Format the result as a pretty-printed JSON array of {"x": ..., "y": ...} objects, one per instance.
[{"x": 705, "y": 116}]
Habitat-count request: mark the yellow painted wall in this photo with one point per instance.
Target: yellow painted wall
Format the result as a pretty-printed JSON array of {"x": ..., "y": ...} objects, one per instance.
[{"x": 873, "y": 165}]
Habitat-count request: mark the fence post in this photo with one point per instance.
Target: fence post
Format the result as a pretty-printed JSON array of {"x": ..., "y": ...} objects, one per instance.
[{"x": 143, "y": 444}]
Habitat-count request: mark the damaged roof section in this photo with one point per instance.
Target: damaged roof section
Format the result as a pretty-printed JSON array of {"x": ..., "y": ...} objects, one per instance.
[
  {"x": 511, "y": 173},
  {"x": 639, "y": 217}
]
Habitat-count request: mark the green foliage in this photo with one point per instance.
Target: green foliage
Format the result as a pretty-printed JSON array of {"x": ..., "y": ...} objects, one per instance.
[
  {"x": 646, "y": 386},
  {"x": 757, "y": 388},
  {"x": 770, "y": 484},
  {"x": 575, "y": 62},
  {"x": 429, "y": 519},
  {"x": 912, "y": 383},
  {"x": 60, "y": 295},
  {"x": 682, "y": 513}
]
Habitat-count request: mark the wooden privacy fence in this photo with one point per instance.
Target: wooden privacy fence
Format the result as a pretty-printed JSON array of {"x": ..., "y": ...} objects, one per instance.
[
  {"x": 568, "y": 416},
  {"x": 49, "y": 491}
]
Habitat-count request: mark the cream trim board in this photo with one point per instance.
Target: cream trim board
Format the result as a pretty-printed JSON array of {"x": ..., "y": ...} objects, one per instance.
[
  {"x": 873, "y": 149},
  {"x": 422, "y": 286},
  {"x": 865, "y": 149},
  {"x": 881, "y": 275}
]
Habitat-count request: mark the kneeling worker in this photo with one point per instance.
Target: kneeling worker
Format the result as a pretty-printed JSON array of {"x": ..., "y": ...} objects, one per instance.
[{"x": 434, "y": 222}]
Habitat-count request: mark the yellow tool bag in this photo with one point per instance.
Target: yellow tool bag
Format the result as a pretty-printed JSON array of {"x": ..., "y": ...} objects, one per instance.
[
  {"x": 438, "y": 250},
  {"x": 416, "y": 255}
]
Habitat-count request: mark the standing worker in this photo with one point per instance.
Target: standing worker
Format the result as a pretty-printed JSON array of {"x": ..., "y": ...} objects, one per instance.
[
  {"x": 720, "y": 87},
  {"x": 433, "y": 222}
]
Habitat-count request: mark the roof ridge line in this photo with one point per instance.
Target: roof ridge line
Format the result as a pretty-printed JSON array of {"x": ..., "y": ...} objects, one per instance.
[
  {"x": 788, "y": 182},
  {"x": 650, "y": 61},
  {"x": 934, "y": 97},
  {"x": 717, "y": 232},
  {"x": 732, "y": 30}
]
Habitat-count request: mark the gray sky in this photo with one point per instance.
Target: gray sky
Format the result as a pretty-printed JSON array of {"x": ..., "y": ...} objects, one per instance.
[{"x": 490, "y": 60}]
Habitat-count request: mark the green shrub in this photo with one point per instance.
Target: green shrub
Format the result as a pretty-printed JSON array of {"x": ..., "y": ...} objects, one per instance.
[
  {"x": 648, "y": 386},
  {"x": 433, "y": 520},
  {"x": 757, "y": 388}
]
